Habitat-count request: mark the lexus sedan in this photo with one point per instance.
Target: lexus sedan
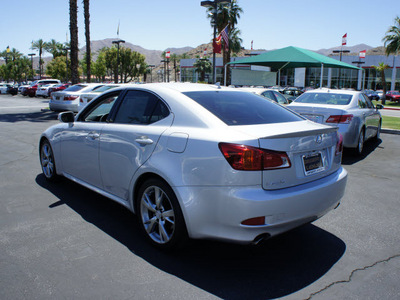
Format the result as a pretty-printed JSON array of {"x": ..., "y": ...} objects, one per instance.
[
  {"x": 352, "y": 112},
  {"x": 87, "y": 97},
  {"x": 199, "y": 161}
]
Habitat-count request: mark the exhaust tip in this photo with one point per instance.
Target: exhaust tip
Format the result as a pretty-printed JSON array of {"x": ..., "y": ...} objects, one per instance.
[{"x": 261, "y": 238}]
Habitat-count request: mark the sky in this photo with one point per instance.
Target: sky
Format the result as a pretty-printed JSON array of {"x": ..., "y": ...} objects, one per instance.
[{"x": 161, "y": 24}]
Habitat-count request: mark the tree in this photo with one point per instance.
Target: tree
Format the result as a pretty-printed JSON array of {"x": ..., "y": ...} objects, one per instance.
[
  {"x": 99, "y": 69},
  {"x": 87, "y": 36},
  {"x": 227, "y": 16},
  {"x": 381, "y": 69},
  {"x": 57, "y": 68},
  {"x": 392, "y": 38},
  {"x": 73, "y": 28},
  {"x": 40, "y": 46},
  {"x": 203, "y": 66},
  {"x": 54, "y": 47}
]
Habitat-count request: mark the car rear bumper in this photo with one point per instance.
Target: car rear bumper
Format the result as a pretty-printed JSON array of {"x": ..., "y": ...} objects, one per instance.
[
  {"x": 64, "y": 106},
  {"x": 217, "y": 212}
]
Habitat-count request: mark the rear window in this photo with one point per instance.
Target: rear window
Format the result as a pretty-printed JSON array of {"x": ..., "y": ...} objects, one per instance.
[
  {"x": 324, "y": 98},
  {"x": 75, "y": 88},
  {"x": 104, "y": 88},
  {"x": 237, "y": 108}
]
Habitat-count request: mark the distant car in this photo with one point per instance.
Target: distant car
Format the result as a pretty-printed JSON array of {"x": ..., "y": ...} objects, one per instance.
[
  {"x": 68, "y": 99},
  {"x": 199, "y": 161},
  {"x": 271, "y": 94},
  {"x": 43, "y": 90},
  {"x": 351, "y": 111},
  {"x": 59, "y": 87},
  {"x": 87, "y": 97},
  {"x": 4, "y": 87},
  {"x": 22, "y": 88},
  {"x": 31, "y": 90},
  {"x": 13, "y": 89},
  {"x": 380, "y": 94},
  {"x": 372, "y": 94},
  {"x": 291, "y": 93},
  {"x": 393, "y": 96}
]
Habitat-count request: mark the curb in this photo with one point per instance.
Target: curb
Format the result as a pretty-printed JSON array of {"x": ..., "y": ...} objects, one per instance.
[{"x": 390, "y": 131}]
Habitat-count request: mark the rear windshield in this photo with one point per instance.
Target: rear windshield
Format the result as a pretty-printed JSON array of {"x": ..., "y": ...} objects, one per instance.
[
  {"x": 324, "y": 98},
  {"x": 239, "y": 108},
  {"x": 75, "y": 88}
]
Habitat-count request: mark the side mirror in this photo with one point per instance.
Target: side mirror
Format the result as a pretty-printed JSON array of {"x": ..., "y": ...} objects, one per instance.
[
  {"x": 379, "y": 106},
  {"x": 66, "y": 117}
]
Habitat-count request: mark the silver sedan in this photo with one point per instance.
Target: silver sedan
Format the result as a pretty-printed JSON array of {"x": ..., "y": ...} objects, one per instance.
[
  {"x": 199, "y": 161},
  {"x": 351, "y": 111}
]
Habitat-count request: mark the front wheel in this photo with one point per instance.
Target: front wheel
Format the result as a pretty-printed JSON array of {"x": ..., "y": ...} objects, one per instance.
[
  {"x": 159, "y": 214},
  {"x": 47, "y": 161}
]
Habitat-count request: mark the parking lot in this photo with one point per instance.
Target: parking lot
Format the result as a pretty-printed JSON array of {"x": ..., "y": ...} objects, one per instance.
[{"x": 63, "y": 241}]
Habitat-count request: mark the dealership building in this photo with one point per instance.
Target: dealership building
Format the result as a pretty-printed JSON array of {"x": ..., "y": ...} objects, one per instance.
[{"x": 365, "y": 78}]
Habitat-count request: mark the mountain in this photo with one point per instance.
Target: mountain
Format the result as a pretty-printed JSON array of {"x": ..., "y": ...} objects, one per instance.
[{"x": 353, "y": 49}]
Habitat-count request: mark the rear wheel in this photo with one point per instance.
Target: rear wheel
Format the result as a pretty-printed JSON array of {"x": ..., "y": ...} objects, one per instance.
[
  {"x": 160, "y": 216},
  {"x": 378, "y": 132},
  {"x": 360, "y": 145}
]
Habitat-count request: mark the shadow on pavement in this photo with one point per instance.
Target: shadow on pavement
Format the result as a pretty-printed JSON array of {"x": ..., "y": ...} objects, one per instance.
[
  {"x": 279, "y": 267},
  {"x": 41, "y": 116},
  {"x": 350, "y": 158}
]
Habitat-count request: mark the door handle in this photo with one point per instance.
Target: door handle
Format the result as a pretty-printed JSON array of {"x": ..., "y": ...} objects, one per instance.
[{"x": 144, "y": 140}]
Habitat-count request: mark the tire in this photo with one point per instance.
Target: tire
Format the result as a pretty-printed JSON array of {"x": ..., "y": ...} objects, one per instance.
[
  {"x": 47, "y": 161},
  {"x": 360, "y": 144},
  {"x": 160, "y": 216},
  {"x": 378, "y": 132}
]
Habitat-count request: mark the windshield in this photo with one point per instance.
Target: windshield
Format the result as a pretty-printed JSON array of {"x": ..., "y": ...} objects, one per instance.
[
  {"x": 237, "y": 108},
  {"x": 324, "y": 98}
]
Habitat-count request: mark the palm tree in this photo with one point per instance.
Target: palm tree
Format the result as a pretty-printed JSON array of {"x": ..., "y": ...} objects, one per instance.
[
  {"x": 203, "y": 66},
  {"x": 381, "y": 69},
  {"x": 73, "y": 28},
  {"x": 40, "y": 46},
  {"x": 87, "y": 35},
  {"x": 392, "y": 38},
  {"x": 54, "y": 47}
]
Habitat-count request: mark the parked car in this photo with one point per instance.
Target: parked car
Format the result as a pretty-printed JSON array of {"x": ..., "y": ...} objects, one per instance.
[
  {"x": 59, "y": 87},
  {"x": 353, "y": 112},
  {"x": 291, "y": 93},
  {"x": 43, "y": 90},
  {"x": 86, "y": 98},
  {"x": 4, "y": 87},
  {"x": 372, "y": 94},
  {"x": 271, "y": 94},
  {"x": 31, "y": 90},
  {"x": 199, "y": 161},
  {"x": 22, "y": 88},
  {"x": 68, "y": 99},
  {"x": 380, "y": 94},
  {"x": 12, "y": 89},
  {"x": 393, "y": 96}
]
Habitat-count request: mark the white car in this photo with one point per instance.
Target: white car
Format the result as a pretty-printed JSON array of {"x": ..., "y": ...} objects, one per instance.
[
  {"x": 68, "y": 99},
  {"x": 3, "y": 88},
  {"x": 199, "y": 161},
  {"x": 351, "y": 111},
  {"x": 271, "y": 94},
  {"x": 43, "y": 90},
  {"x": 87, "y": 97}
]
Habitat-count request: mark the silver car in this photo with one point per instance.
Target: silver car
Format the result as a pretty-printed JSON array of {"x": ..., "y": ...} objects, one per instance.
[
  {"x": 199, "y": 161},
  {"x": 351, "y": 111}
]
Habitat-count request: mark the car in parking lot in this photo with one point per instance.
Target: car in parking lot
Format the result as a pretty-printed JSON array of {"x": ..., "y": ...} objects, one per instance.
[
  {"x": 199, "y": 161},
  {"x": 87, "y": 97},
  {"x": 351, "y": 111},
  {"x": 371, "y": 94},
  {"x": 59, "y": 87},
  {"x": 271, "y": 94},
  {"x": 393, "y": 96},
  {"x": 68, "y": 99},
  {"x": 4, "y": 87},
  {"x": 43, "y": 90}
]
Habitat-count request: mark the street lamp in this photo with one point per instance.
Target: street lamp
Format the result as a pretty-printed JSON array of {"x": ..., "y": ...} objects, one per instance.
[
  {"x": 32, "y": 55},
  {"x": 214, "y": 4},
  {"x": 118, "y": 42}
]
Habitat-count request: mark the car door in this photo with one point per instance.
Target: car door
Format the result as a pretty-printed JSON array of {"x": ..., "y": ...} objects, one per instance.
[
  {"x": 80, "y": 142},
  {"x": 369, "y": 115},
  {"x": 130, "y": 138}
]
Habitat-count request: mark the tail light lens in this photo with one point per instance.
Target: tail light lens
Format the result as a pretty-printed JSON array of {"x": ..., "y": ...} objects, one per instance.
[
  {"x": 342, "y": 119},
  {"x": 69, "y": 98},
  {"x": 339, "y": 145},
  {"x": 248, "y": 158}
]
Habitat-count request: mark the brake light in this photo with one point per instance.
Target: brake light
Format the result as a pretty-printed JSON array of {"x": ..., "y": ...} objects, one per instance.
[
  {"x": 69, "y": 98},
  {"x": 248, "y": 158},
  {"x": 342, "y": 119},
  {"x": 339, "y": 145}
]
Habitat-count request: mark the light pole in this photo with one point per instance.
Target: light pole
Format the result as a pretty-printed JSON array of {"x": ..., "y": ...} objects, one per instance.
[
  {"x": 32, "y": 55},
  {"x": 214, "y": 4},
  {"x": 118, "y": 42},
  {"x": 66, "y": 62},
  {"x": 340, "y": 58}
]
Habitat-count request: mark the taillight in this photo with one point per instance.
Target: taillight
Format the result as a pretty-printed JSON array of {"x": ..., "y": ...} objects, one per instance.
[
  {"x": 248, "y": 158},
  {"x": 339, "y": 145},
  {"x": 69, "y": 98},
  {"x": 342, "y": 119}
]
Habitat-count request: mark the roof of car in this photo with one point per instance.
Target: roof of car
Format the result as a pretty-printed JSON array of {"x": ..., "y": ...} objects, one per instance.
[{"x": 336, "y": 91}]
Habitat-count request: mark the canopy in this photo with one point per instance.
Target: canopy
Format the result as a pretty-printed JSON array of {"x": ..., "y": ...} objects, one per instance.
[{"x": 293, "y": 57}]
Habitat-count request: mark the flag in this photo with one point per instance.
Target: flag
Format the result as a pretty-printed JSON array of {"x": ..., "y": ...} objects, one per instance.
[
  {"x": 217, "y": 44},
  {"x": 251, "y": 45},
  {"x": 168, "y": 54},
  {"x": 8, "y": 49},
  {"x": 225, "y": 35},
  {"x": 118, "y": 30},
  {"x": 362, "y": 54},
  {"x": 205, "y": 52},
  {"x": 344, "y": 39}
]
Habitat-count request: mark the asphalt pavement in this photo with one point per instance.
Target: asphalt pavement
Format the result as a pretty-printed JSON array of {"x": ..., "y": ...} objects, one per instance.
[{"x": 62, "y": 241}]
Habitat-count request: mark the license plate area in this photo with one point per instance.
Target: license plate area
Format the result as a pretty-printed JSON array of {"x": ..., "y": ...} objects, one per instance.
[
  {"x": 313, "y": 163},
  {"x": 314, "y": 118}
]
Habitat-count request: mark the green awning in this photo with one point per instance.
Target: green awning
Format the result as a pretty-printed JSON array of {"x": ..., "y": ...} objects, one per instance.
[{"x": 293, "y": 57}]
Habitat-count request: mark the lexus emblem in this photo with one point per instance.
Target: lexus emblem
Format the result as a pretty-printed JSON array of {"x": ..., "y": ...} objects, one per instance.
[{"x": 319, "y": 139}]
